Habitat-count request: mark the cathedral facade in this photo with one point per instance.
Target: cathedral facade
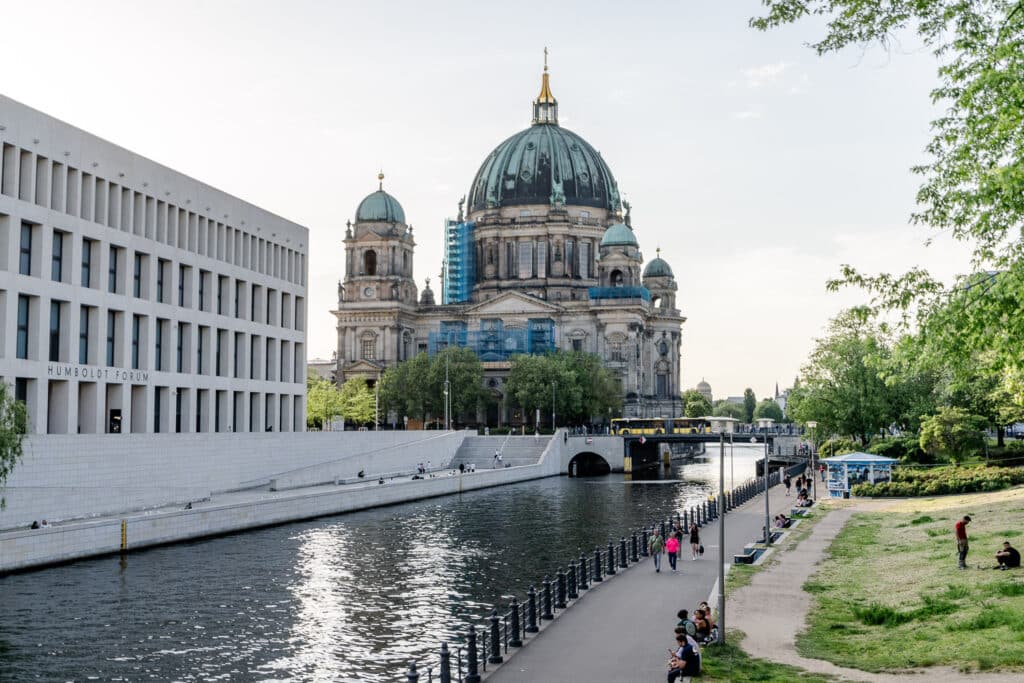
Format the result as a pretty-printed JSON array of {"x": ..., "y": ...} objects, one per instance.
[{"x": 541, "y": 257}]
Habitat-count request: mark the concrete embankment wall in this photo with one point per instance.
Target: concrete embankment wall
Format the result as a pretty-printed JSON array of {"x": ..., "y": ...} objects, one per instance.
[
  {"x": 71, "y": 476},
  {"x": 28, "y": 548}
]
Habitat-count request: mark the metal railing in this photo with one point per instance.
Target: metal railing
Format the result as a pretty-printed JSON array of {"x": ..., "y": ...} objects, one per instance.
[{"x": 486, "y": 643}]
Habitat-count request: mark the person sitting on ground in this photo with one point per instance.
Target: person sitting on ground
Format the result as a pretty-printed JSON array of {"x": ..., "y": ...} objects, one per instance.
[
  {"x": 44, "y": 525},
  {"x": 702, "y": 625},
  {"x": 685, "y": 623},
  {"x": 35, "y": 524},
  {"x": 1008, "y": 557},
  {"x": 361, "y": 474},
  {"x": 684, "y": 661}
]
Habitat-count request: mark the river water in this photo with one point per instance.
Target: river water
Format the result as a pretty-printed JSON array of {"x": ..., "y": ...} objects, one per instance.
[{"x": 351, "y": 597}]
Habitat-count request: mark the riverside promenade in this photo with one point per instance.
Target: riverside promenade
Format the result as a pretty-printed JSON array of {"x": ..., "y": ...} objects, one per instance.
[{"x": 620, "y": 630}]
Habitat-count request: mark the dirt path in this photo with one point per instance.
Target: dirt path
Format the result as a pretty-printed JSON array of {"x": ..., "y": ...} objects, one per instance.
[{"x": 771, "y": 625}]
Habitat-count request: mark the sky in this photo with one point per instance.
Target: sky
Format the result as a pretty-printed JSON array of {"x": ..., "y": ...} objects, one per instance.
[{"x": 756, "y": 166}]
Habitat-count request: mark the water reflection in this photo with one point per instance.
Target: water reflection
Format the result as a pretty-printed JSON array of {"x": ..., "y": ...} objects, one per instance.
[{"x": 352, "y": 597}]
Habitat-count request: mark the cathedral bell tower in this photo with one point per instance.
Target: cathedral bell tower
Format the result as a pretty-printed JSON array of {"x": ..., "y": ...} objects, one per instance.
[{"x": 379, "y": 252}]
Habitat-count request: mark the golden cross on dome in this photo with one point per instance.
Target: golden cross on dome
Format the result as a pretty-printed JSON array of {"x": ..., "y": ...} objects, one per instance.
[
  {"x": 380, "y": 180},
  {"x": 658, "y": 250}
]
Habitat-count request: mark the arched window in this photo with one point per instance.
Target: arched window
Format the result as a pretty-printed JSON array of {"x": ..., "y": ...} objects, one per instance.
[
  {"x": 370, "y": 262},
  {"x": 616, "y": 278}
]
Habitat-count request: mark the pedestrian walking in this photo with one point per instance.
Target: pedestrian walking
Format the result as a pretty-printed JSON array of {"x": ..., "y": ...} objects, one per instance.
[
  {"x": 694, "y": 540},
  {"x": 786, "y": 482},
  {"x": 672, "y": 548},
  {"x": 960, "y": 529},
  {"x": 656, "y": 546}
]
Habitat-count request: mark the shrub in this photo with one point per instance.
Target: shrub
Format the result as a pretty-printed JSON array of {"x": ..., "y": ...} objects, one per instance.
[
  {"x": 837, "y": 445},
  {"x": 908, "y": 482},
  {"x": 906, "y": 449}
]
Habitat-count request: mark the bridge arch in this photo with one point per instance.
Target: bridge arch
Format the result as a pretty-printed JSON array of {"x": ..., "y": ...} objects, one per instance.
[{"x": 588, "y": 464}]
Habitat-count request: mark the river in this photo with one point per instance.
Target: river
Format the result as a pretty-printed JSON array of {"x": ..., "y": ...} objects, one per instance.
[{"x": 349, "y": 597}]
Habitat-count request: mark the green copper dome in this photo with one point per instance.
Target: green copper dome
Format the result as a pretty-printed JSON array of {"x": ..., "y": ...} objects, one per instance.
[
  {"x": 619, "y": 235},
  {"x": 658, "y": 268},
  {"x": 380, "y": 206},
  {"x": 544, "y": 164}
]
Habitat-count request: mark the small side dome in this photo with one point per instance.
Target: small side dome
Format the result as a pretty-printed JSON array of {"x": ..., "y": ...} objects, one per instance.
[
  {"x": 427, "y": 296},
  {"x": 703, "y": 386},
  {"x": 658, "y": 268},
  {"x": 380, "y": 206},
  {"x": 619, "y": 235}
]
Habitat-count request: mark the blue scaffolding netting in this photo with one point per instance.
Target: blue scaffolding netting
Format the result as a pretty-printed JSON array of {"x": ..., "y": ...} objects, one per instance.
[
  {"x": 459, "y": 262},
  {"x": 493, "y": 341}
]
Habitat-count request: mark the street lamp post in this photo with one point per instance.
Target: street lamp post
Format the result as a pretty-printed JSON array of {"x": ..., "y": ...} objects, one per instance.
[
  {"x": 812, "y": 425},
  {"x": 721, "y": 508},
  {"x": 553, "y": 428},
  {"x": 447, "y": 394},
  {"x": 767, "y": 512}
]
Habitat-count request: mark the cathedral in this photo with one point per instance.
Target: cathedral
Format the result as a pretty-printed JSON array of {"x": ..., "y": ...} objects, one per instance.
[{"x": 541, "y": 257}]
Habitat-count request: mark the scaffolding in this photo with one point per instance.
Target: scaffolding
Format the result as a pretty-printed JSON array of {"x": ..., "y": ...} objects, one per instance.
[{"x": 459, "y": 262}]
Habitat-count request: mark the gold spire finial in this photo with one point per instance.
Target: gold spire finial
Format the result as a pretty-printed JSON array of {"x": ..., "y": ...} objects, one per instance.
[
  {"x": 545, "y": 57},
  {"x": 380, "y": 181},
  {"x": 658, "y": 250}
]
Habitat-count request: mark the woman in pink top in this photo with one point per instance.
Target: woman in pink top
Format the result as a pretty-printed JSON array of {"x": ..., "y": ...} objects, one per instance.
[{"x": 672, "y": 548}]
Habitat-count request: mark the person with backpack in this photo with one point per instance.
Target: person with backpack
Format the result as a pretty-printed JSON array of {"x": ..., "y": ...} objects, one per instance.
[
  {"x": 694, "y": 540},
  {"x": 672, "y": 548},
  {"x": 684, "y": 661},
  {"x": 656, "y": 546}
]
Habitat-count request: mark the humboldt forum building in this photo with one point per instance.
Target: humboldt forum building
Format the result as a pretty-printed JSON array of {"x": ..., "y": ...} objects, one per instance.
[
  {"x": 542, "y": 256},
  {"x": 135, "y": 299}
]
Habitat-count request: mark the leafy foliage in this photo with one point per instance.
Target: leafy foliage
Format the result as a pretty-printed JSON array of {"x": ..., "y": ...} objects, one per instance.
[
  {"x": 768, "y": 408},
  {"x": 358, "y": 404},
  {"x": 415, "y": 388},
  {"x": 953, "y": 433},
  {"x": 749, "y": 404},
  {"x": 695, "y": 404},
  {"x": 941, "y": 481},
  {"x": 578, "y": 383},
  {"x": 724, "y": 408},
  {"x": 13, "y": 425},
  {"x": 323, "y": 401}
]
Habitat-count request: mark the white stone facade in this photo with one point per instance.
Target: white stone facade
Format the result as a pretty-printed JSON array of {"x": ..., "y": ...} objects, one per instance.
[{"x": 135, "y": 299}]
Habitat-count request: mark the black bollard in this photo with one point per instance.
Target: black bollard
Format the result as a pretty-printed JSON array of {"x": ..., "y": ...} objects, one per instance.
[
  {"x": 472, "y": 672},
  {"x": 611, "y": 558},
  {"x": 571, "y": 576},
  {"x": 663, "y": 529},
  {"x": 706, "y": 518},
  {"x": 446, "y": 664},
  {"x": 597, "y": 565},
  {"x": 546, "y": 606},
  {"x": 514, "y": 628},
  {"x": 531, "y": 611},
  {"x": 583, "y": 572},
  {"x": 686, "y": 520},
  {"x": 622, "y": 553},
  {"x": 495, "y": 657},
  {"x": 411, "y": 675},
  {"x": 645, "y": 541},
  {"x": 560, "y": 589},
  {"x": 635, "y": 550}
]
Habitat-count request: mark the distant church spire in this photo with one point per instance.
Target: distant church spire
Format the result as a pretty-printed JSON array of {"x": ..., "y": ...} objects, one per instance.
[{"x": 545, "y": 107}]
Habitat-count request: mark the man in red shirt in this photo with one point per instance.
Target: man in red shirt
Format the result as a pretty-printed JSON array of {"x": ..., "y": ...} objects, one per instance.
[{"x": 961, "y": 541}]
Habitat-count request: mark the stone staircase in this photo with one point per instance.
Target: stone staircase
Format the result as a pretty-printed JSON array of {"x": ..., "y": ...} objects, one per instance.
[{"x": 515, "y": 451}]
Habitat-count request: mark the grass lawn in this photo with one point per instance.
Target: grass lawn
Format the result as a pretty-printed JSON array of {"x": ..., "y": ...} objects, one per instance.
[
  {"x": 890, "y": 596},
  {"x": 730, "y": 663}
]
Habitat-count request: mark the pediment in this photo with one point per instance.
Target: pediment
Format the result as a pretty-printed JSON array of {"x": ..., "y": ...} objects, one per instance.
[
  {"x": 513, "y": 303},
  {"x": 363, "y": 366},
  {"x": 370, "y": 236}
]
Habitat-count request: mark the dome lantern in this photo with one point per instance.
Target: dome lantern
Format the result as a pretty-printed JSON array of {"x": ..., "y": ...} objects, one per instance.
[{"x": 545, "y": 107}]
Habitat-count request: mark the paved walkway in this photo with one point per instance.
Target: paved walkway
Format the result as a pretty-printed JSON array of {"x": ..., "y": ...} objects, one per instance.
[
  {"x": 771, "y": 625},
  {"x": 621, "y": 630}
]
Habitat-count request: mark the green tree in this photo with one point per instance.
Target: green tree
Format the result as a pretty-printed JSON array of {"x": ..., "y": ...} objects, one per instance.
[
  {"x": 972, "y": 184},
  {"x": 952, "y": 433},
  {"x": 749, "y": 404},
  {"x": 357, "y": 401},
  {"x": 323, "y": 401},
  {"x": 405, "y": 389},
  {"x": 695, "y": 404},
  {"x": 465, "y": 382},
  {"x": 13, "y": 425},
  {"x": 841, "y": 385},
  {"x": 578, "y": 383},
  {"x": 724, "y": 408},
  {"x": 768, "y": 408}
]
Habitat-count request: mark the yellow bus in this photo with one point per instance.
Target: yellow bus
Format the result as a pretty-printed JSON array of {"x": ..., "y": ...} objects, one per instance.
[
  {"x": 636, "y": 425},
  {"x": 690, "y": 425}
]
